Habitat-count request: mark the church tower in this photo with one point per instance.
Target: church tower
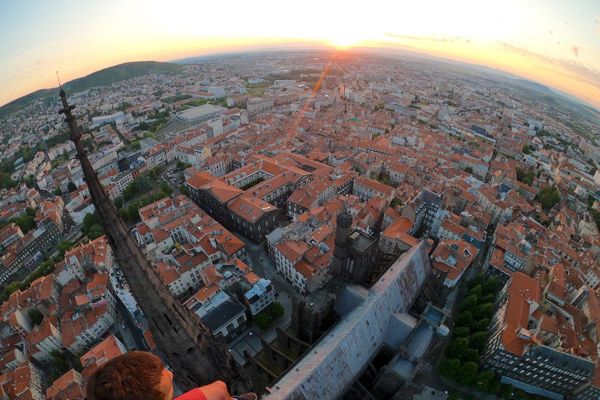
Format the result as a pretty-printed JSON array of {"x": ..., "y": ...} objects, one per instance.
[
  {"x": 341, "y": 250},
  {"x": 185, "y": 343}
]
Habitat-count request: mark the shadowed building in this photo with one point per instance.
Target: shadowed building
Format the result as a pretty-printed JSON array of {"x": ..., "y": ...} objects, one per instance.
[
  {"x": 370, "y": 319},
  {"x": 354, "y": 250},
  {"x": 184, "y": 342}
]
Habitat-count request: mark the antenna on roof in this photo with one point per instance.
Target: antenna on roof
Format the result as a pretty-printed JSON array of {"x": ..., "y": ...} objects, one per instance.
[{"x": 58, "y": 79}]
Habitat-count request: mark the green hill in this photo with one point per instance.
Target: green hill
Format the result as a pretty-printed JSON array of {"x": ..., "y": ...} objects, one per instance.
[{"x": 104, "y": 77}]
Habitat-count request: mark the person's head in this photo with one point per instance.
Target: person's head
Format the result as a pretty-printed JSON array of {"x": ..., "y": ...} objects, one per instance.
[{"x": 136, "y": 375}]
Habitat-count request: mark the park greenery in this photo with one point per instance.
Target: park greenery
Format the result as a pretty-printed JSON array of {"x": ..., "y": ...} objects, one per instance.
[
  {"x": 270, "y": 314},
  {"x": 142, "y": 191},
  {"x": 525, "y": 175},
  {"x": 61, "y": 363},
  {"x": 92, "y": 226},
  {"x": 62, "y": 247},
  {"x": 462, "y": 357},
  {"x": 527, "y": 149},
  {"x": 176, "y": 98},
  {"x": 158, "y": 121},
  {"x": 182, "y": 166},
  {"x": 461, "y": 361},
  {"x": 221, "y": 101},
  {"x": 548, "y": 197}
]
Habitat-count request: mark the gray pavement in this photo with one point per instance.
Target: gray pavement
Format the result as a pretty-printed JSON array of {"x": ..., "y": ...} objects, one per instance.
[
  {"x": 260, "y": 262},
  {"x": 431, "y": 394},
  {"x": 248, "y": 342}
]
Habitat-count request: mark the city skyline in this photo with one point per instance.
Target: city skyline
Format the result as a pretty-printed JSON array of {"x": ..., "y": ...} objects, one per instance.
[
  {"x": 554, "y": 43},
  {"x": 310, "y": 224}
]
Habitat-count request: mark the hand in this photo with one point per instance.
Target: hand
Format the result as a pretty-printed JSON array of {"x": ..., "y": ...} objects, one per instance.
[{"x": 216, "y": 391}]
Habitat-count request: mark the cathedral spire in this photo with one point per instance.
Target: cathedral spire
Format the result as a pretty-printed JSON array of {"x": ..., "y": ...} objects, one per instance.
[{"x": 183, "y": 341}]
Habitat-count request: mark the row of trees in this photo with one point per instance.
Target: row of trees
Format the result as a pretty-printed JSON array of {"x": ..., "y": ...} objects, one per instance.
[{"x": 461, "y": 361}]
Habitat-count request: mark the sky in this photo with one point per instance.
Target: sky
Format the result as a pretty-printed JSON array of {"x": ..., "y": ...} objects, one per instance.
[{"x": 554, "y": 42}]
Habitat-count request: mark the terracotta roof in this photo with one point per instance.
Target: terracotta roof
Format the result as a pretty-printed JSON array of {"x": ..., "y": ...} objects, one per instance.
[
  {"x": 522, "y": 291},
  {"x": 199, "y": 179},
  {"x": 250, "y": 208},
  {"x": 104, "y": 351},
  {"x": 67, "y": 387}
]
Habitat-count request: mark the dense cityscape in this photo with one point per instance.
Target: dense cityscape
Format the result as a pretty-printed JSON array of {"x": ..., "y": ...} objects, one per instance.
[{"x": 342, "y": 224}]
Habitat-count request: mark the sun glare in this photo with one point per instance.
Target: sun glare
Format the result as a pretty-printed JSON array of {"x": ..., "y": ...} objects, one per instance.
[{"x": 343, "y": 42}]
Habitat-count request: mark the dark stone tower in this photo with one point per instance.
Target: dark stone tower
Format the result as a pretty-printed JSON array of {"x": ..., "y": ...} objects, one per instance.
[
  {"x": 341, "y": 251},
  {"x": 185, "y": 343}
]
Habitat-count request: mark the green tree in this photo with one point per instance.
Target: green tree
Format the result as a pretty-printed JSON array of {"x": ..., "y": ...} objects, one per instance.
[
  {"x": 494, "y": 386},
  {"x": 25, "y": 222},
  {"x": 462, "y": 331},
  {"x": 263, "y": 319},
  {"x": 60, "y": 365},
  {"x": 277, "y": 310},
  {"x": 90, "y": 220},
  {"x": 449, "y": 367},
  {"x": 57, "y": 192},
  {"x": 469, "y": 170},
  {"x": 484, "y": 310},
  {"x": 525, "y": 176},
  {"x": 29, "y": 181},
  {"x": 478, "y": 340},
  {"x": 182, "y": 165},
  {"x": 491, "y": 286},
  {"x": 63, "y": 246},
  {"x": 166, "y": 189},
  {"x": 6, "y": 182},
  {"x": 71, "y": 187},
  {"x": 95, "y": 232},
  {"x": 506, "y": 391},
  {"x": 467, "y": 374},
  {"x": 471, "y": 355},
  {"x": 457, "y": 348},
  {"x": 477, "y": 280},
  {"x": 484, "y": 379},
  {"x": 464, "y": 319},
  {"x": 31, "y": 211},
  {"x": 35, "y": 316},
  {"x": 548, "y": 197},
  {"x": 469, "y": 303},
  {"x": 481, "y": 325},
  {"x": 475, "y": 290}
]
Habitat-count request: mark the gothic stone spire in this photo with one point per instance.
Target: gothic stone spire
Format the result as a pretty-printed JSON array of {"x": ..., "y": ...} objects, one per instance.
[{"x": 184, "y": 342}]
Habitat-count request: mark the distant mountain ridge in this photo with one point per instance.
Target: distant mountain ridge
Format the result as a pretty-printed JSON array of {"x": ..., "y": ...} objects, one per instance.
[{"x": 103, "y": 77}]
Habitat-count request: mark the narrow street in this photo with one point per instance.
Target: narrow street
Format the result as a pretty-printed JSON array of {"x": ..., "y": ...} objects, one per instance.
[{"x": 429, "y": 375}]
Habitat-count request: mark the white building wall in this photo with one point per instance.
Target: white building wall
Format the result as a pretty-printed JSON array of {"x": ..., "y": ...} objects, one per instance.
[{"x": 333, "y": 364}]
